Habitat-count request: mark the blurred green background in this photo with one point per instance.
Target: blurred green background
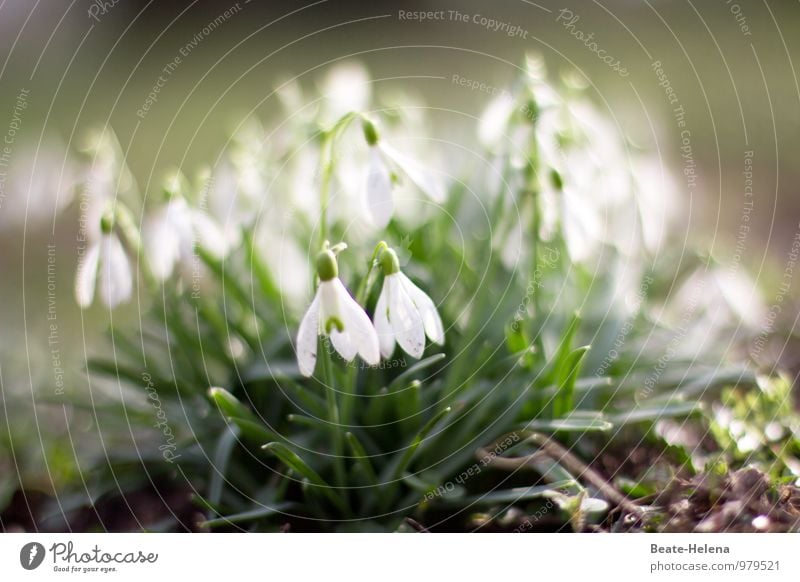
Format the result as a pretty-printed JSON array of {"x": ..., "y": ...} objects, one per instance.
[{"x": 90, "y": 64}]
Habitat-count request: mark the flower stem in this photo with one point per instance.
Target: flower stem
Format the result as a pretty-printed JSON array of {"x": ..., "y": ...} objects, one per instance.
[
  {"x": 327, "y": 163},
  {"x": 333, "y": 417},
  {"x": 363, "y": 288}
]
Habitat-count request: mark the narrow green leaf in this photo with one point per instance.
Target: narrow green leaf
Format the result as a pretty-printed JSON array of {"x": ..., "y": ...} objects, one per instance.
[
  {"x": 252, "y": 430},
  {"x": 298, "y": 465},
  {"x": 563, "y": 350},
  {"x": 514, "y": 495},
  {"x": 229, "y": 404},
  {"x": 568, "y": 423},
  {"x": 395, "y": 469},
  {"x": 405, "y": 377},
  {"x": 222, "y": 454},
  {"x": 564, "y": 401},
  {"x": 361, "y": 457},
  {"x": 245, "y": 516},
  {"x": 653, "y": 413}
]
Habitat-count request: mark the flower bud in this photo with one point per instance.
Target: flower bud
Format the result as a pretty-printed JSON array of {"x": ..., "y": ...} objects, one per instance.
[
  {"x": 370, "y": 132},
  {"x": 327, "y": 268},
  {"x": 389, "y": 262}
]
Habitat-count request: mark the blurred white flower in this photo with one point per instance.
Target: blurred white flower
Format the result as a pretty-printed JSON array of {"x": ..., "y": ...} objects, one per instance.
[
  {"x": 170, "y": 236},
  {"x": 379, "y": 196},
  {"x": 335, "y": 314},
  {"x": 347, "y": 87},
  {"x": 404, "y": 313},
  {"x": 282, "y": 255},
  {"x": 41, "y": 180},
  {"x": 105, "y": 260}
]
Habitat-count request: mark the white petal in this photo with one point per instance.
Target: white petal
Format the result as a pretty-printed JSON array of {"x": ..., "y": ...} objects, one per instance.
[
  {"x": 424, "y": 179},
  {"x": 161, "y": 245},
  {"x": 427, "y": 309},
  {"x": 405, "y": 318},
  {"x": 382, "y": 326},
  {"x": 331, "y": 298},
  {"x": 380, "y": 202},
  {"x": 307, "y": 339},
  {"x": 209, "y": 235},
  {"x": 495, "y": 118},
  {"x": 357, "y": 326},
  {"x": 580, "y": 226},
  {"x": 116, "y": 280},
  {"x": 86, "y": 276}
]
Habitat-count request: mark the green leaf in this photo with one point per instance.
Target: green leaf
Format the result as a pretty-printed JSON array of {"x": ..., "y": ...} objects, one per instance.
[
  {"x": 361, "y": 457},
  {"x": 298, "y": 465},
  {"x": 275, "y": 371},
  {"x": 396, "y": 468},
  {"x": 571, "y": 423},
  {"x": 222, "y": 454},
  {"x": 245, "y": 516},
  {"x": 252, "y": 430},
  {"x": 228, "y": 404},
  {"x": 555, "y": 374},
  {"x": 564, "y": 401},
  {"x": 405, "y": 377},
  {"x": 514, "y": 495},
  {"x": 653, "y": 413}
]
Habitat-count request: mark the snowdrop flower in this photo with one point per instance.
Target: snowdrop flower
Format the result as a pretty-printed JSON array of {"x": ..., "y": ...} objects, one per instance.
[
  {"x": 404, "y": 312},
  {"x": 335, "y": 314},
  {"x": 171, "y": 234},
  {"x": 347, "y": 87},
  {"x": 380, "y": 201},
  {"x": 107, "y": 261}
]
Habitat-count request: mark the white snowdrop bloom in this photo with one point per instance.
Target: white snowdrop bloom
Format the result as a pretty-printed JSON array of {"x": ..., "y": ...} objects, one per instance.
[
  {"x": 404, "y": 313},
  {"x": 105, "y": 261},
  {"x": 380, "y": 199},
  {"x": 346, "y": 88},
  {"x": 335, "y": 314},
  {"x": 170, "y": 236},
  {"x": 40, "y": 183},
  {"x": 282, "y": 254},
  {"x": 495, "y": 119}
]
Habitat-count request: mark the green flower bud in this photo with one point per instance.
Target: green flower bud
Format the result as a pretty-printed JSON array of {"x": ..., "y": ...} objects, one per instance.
[
  {"x": 556, "y": 180},
  {"x": 370, "y": 133},
  {"x": 327, "y": 268},
  {"x": 107, "y": 222},
  {"x": 389, "y": 262}
]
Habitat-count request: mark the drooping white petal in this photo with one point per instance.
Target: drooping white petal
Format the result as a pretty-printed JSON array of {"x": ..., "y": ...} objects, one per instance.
[
  {"x": 209, "y": 235},
  {"x": 420, "y": 175},
  {"x": 344, "y": 344},
  {"x": 382, "y": 326},
  {"x": 495, "y": 118},
  {"x": 346, "y": 88},
  {"x": 581, "y": 225},
  {"x": 359, "y": 333},
  {"x": 405, "y": 317},
  {"x": 116, "y": 280},
  {"x": 380, "y": 202},
  {"x": 87, "y": 276},
  {"x": 307, "y": 339},
  {"x": 331, "y": 311},
  {"x": 427, "y": 310},
  {"x": 161, "y": 245}
]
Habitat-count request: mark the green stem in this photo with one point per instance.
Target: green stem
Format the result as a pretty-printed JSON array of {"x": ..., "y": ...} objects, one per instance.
[
  {"x": 327, "y": 164},
  {"x": 350, "y": 388},
  {"x": 363, "y": 288},
  {"x": 333, "y": 418}
]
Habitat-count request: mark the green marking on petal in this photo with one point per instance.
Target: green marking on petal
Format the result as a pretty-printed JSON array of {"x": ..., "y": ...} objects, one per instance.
[{"x": 333, "y": 322}]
